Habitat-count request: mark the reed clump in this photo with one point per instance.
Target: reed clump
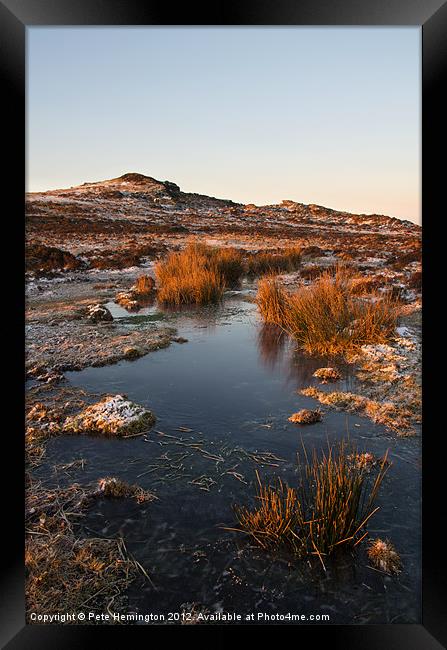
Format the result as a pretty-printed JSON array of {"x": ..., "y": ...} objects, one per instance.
[
  {"x": 273, "y": 524},
  {"x": 200, "y": 273},
  {"x": 272, "y": 300},
  {"x": 229, "y": 262},
  {"x": 326, "y": 317},
  {"x": 189, "y": 277},
  {"x": 329, "y": 508}
]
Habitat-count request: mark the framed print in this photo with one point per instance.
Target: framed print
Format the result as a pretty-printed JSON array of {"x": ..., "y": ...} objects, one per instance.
[{"x": 224, "y": 267}]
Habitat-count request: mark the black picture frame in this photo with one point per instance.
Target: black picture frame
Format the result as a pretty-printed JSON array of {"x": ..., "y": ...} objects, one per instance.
[{"x": 431, "y": 16}]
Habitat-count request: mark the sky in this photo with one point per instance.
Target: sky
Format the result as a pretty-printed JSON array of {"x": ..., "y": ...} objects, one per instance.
[{"x": 317, "y": 115}]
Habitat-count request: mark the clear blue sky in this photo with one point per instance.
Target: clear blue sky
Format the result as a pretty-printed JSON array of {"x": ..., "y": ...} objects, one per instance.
[{"x": 318, "y": 115}]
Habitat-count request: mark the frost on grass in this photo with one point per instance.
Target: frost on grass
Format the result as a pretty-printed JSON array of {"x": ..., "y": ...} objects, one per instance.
[
  {"x": 388, "y": 414},
  {"x": 384, "y": 556},
  {"x": 113, "y": 416},
  {"x": 390, "y": 377},
  {"x": 306, "y": 416},
  {"x": 115, "y": 488}
]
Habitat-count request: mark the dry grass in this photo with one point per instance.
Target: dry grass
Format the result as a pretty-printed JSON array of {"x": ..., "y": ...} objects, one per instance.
[
  {"x": 396, "y": 417},
  {"x": 65, "y": 572},
  {"x": 189, "y": 277},
  {"x": 266, "y": 263},
  {"x": 306, "y": 416},
  {"x": 312, "y": 272},
  {"x": 329, "y": 509},
  {"x": 326, "y": 318},
  {"x": 200, "y": 273},
  {"x": 115, "y": 488},
  {"x": 229, "y": 262},
  {"x": 272, "y": 300},
  {"x": 327, "y": 375},
  {"x": 384, "y": 556},
  {"x": 363, "y": 286},
  {"x": 275, "y": 522},
  {"x": 144, "y": 285}
]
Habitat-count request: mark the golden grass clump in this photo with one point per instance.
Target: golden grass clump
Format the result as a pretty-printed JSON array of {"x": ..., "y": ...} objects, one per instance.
[
  {"x": 273, "y": 523},
  {"x": 306, "y": 416},
  {"x": 189, "y": 277},
  {"x": 384, "y": 556},
  {"x": 327, "y": 375},
  {"x": 228, "y": 262},
  {"x": 325, "y": 317},
  {"x": 329, "y": 509},
  {"x": 272, "y": 300},
  {"x": 144, "y": 285},
  {"x": 287, "y": 260}
]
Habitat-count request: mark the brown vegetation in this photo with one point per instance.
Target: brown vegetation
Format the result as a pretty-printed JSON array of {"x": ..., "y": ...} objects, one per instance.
[
  {"x": 48, "y": 258},
  {"x": 396, "y": 417},
  {"x": 327, "y": 375},
  {"x": 266, "y": 263},
  {"x": 306, "y": 416},
  {"x": 384, "y": 556},
  {"x": 189, "y": 277},
  {"x": 144, "y": 285},
  {"x": 66, "y": 572},
  {"x": 330, "y": 507},
  {"x": 325, "y": 318},
  {"x": 117, "y": 489}
]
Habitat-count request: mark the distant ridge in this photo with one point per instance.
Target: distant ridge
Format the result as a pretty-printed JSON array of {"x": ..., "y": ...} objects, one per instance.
[{"x": 139, "y": 186}]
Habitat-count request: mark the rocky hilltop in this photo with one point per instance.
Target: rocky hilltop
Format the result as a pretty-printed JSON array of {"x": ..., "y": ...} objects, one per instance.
[{"x": 139, "y": 217}]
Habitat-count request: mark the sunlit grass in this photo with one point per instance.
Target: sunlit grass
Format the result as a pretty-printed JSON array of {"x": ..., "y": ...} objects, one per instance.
[
  {"x": 188, "y": 277},
  {"x": 144, "y": 285},
  {"x": 329, "y": 508},
  {"x": 265, "y": 263},
  {"x": 326, "y": 317}
]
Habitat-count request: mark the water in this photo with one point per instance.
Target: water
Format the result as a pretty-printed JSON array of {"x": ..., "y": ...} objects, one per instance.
[{"x": 233, "y": 385}]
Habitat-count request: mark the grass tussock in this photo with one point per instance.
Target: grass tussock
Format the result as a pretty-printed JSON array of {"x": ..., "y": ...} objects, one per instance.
[
  {"x": 189, "y": 276},
  {"x": 200, "y": 273},
  {"x": 329, "y": 509},
  {"x": 306, "y": 416},
  {"x": 144, "y": 285},
  {"x": 326, "y": 317},
  {"x": 273, "y": 523},
  {"x": 229, "y": 262},
  {"x": 384, "y": 556},
  {"x": 272, "y": 300},
  {"x": 327, "y": 375}
]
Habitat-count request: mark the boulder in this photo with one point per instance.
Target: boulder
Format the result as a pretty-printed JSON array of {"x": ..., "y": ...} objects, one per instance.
[{"x": 98, "y": 314}]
